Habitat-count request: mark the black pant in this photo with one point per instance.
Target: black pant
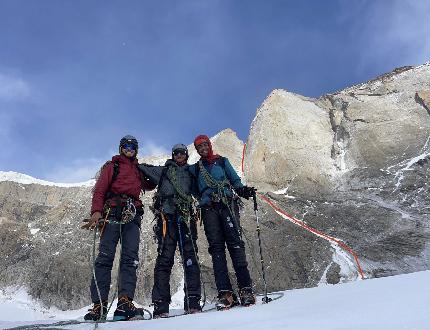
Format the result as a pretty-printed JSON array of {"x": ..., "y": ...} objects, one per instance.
[
  {"x": 130, "y": 233},
  {"x": 166, "y": 254},
  {"x": 221, "y": 230}
]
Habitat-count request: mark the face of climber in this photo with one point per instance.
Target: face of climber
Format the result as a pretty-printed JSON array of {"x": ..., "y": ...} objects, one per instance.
[
  {"x": 128, "y": 150},
  {"x": 180, "y": 156},
  {"x": 203, "y": 149}
]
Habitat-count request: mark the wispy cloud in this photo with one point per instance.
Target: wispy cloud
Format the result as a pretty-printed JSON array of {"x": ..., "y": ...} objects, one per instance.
[
  {"x": 408, "y": 25},
  {"x": 83, "y": 169},
  {"x": 78, "y": 170},
  {"x": 150, "y": 148},
  {"x": 13, "y": 88},
  {"x": 394, "y": 32},
  {"x": 413, "y": 29}
]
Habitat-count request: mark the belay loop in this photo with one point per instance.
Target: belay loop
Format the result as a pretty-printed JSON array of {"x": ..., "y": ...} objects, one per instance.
[{"x": 128, "y": 212}]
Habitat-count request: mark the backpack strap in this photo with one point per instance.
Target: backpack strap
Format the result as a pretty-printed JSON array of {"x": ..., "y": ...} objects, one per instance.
[{"x": 115, "y": 173}]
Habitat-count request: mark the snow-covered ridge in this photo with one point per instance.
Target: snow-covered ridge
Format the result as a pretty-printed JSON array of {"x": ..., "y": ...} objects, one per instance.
[{"x": 26, "y": 179}]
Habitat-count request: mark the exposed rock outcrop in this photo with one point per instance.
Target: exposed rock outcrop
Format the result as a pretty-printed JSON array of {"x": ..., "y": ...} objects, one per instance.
[
  {"x": 423, "y": 98},
  {"x": 289, "y": 144},
  {"x": 225, "y": 143},
  {"x": 375, "y": 179},
  {"x": 353, "y": 164}
]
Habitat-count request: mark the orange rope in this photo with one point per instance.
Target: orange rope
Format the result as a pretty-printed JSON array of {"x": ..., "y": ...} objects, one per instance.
[
  {"x": 315, "y": 231},
  {"x": 304, "y": 226},
  {"x": 243, "y": 154}
]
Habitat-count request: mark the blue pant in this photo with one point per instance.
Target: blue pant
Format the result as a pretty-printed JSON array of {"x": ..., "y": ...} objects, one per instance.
[{"x": 130, "y": 233}]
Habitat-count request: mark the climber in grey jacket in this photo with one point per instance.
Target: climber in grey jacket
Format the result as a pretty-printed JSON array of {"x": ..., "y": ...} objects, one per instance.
[{"x": 175, "y": 225}]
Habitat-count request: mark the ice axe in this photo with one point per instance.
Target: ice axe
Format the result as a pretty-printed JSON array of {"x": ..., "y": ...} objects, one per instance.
[{"x": 265, "y": 299}]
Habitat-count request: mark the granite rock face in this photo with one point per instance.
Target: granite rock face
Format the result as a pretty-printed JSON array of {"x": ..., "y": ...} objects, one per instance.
[
  {"x": 369, "y": 183},
  {"x": 290, "y": 144},
  {"x": 45, "y": 251}
]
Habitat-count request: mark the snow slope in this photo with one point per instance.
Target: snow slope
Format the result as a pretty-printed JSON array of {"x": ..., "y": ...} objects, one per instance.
[{"x": 398, "y": 302}]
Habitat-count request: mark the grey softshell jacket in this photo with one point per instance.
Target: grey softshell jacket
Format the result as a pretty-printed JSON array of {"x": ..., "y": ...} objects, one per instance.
[{"x": 165, "y": 188}]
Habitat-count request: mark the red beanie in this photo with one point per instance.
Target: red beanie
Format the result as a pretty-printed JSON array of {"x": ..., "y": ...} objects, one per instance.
[
  {"x": 200, "y": 139},
  {"x": 204, "y": 138}
]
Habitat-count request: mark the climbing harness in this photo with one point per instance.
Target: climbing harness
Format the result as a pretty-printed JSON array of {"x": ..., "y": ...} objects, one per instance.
[{"x": 220, "y": 194}]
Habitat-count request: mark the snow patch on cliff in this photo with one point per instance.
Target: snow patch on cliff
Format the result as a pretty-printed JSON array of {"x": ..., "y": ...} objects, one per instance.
[{"x": 26, "y": 179}]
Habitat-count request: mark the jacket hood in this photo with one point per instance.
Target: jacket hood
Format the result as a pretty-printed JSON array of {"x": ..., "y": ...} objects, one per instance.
[{"x": 124, "y": 159}]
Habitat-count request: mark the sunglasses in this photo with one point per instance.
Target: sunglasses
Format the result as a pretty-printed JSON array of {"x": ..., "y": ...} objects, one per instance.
[
  {"x": 179, "y": 152},
  {"x": 128, "y": 146}
]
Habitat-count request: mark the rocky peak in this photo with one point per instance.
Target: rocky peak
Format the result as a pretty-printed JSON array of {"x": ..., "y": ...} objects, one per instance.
[
  {"x": 226, "y": 143},
  {"x": 353, "y": 163},
  {"x": 309, "y": 144},
  {"x": 290, "y": 143}
]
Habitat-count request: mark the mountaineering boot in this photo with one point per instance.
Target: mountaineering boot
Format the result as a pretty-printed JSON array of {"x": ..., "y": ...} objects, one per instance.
[
  {"x": 126, "y": 310},
  {"x": 98, "y": 312},
  {"x": 161, "y": 309},
  {"x": 226, "y": 300},
  {"x": 194, "y": 305},
  {"x": 247, "y": 297}
]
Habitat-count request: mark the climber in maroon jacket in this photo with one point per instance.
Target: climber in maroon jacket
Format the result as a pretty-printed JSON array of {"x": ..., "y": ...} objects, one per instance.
[{"x": 117, "y": 210}]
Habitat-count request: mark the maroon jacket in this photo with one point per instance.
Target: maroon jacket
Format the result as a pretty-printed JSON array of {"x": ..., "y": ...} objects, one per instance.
[{"x": 128, "y": 181}]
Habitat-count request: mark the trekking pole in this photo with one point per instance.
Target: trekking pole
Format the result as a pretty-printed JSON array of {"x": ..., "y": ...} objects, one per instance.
[
  {"x": 203, "y": 297},
  {"x": 265, "y": 299},
  {"x": 93, "y": 260},
  {"x": 93, "y": 268},
  {"x": 181, "y": 250}
]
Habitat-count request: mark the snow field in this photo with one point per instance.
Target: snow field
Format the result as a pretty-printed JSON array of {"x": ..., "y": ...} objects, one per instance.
[{"x": 391, "y": 303}]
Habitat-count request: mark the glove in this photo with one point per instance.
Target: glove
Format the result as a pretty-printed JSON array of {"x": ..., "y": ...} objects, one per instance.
[
  {"x": 95, "y": 217},
  {"x": 246, "y": 192}
]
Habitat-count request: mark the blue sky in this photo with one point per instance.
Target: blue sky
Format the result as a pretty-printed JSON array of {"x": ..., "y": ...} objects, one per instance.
[{"x": 75, "y": 76}]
